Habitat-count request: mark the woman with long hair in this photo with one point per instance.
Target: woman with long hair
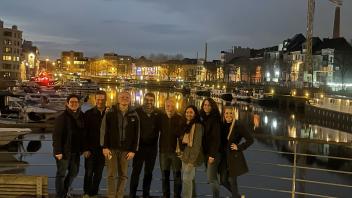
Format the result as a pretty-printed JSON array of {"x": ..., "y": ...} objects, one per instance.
[
  {"x": 193, "y": 153},
  {"x": 211, "y": 120},
  {"x": 235, "y": 164}
]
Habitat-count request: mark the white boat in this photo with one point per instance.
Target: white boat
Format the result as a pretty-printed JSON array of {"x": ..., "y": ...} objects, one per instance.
[
  {"x": 9, "y": 134},
  {"x": 27, "y": 113},
  {"x": 45, "y": 98},
  {"x": 242, "y": 95},
  {"x": 80, "y": 86},
  {"x": 217, "y": 92},
  {"x": 262, "y": 98}
]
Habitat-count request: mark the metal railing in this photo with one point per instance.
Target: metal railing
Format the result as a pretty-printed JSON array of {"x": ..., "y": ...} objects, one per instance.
[{"x": 292, "y": 168}]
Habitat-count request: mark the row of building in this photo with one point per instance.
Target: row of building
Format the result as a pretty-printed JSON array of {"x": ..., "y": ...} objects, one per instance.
[{"x": 282, "y": 64}]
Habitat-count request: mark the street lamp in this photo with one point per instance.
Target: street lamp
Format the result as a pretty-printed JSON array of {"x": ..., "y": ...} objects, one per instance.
[
  {"x": 46, "y": 64},
  {"x": 68, "y": 65}
]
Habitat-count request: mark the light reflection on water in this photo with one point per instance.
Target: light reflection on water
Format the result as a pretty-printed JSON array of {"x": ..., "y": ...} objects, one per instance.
[{"x": 260, "y": 120}]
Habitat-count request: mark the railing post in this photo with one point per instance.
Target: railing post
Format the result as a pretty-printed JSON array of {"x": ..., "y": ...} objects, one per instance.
[{"x": 294, "y": 169}]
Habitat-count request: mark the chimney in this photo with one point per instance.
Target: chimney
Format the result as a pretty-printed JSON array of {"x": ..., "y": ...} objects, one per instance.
[
  {"x": 336, "y": 33},
  {"x": 206, "y": 52}
]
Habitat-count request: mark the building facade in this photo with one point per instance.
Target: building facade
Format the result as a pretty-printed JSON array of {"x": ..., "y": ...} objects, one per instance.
[
  {"x": 30, "y": 60},
  {"x": 10, "y": 52},
  {"x": 72, "y": 61}
]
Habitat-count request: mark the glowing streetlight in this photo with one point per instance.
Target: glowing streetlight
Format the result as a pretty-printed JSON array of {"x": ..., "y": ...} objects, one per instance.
[
  {"x": 46, "y": 64},
  {"x": 68, "y": 65},
  {"x": 307, "y": 94}
]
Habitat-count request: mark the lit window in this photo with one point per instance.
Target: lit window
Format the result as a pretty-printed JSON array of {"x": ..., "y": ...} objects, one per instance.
[
  {"x": 7, "y": 42},
  {"x": 7, "y": 49},
  {"x": 6, "y": 58}
]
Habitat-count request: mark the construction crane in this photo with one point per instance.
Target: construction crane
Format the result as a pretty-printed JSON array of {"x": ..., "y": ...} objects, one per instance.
[{"x": 310, "y": 21}]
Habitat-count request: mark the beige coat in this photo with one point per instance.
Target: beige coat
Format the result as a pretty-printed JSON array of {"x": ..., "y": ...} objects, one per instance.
[{"x": 194, "y": 154}]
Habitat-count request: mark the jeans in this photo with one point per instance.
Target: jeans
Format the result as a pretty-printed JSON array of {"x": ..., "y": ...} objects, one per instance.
[
  {"x": 63, "y": 181},
  {"x": 234, "y": 188},
  {"x": 117, "y": 164},
  {"x": 146, "y": 155},
  {"x": 188, "y": 174},
  {"x": 94, "y": 166},
  {"x": 171, "y": 161},
  {"x": 212, "y": 174}
]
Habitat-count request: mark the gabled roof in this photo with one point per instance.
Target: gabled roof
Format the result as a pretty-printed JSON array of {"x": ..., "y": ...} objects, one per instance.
[
  {"x": 257, "y": 53},
  {"x": 337, "y": 44},
  {"x": 190, "y": 61},
  {"x": 295, "y": 43}
]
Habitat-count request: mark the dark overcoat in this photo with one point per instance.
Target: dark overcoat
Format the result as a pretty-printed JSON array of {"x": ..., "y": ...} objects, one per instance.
[{"x": 236, "y": 162}]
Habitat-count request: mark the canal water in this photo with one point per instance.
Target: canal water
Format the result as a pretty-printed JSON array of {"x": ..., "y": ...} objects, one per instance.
[{"x": 268, "y": 158}]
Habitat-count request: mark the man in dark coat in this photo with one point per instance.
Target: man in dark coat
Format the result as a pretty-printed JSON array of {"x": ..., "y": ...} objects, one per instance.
[
  {"x": 171, "y": 130},
  {"x": 121, "y": 140},
  {"x": 148, "y": 145},
  {"x": 94, "y": 161},
  {"x": 67, "y": 145}
]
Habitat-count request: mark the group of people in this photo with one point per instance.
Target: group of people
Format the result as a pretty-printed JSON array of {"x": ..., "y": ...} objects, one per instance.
[{"x": 122, "y": 133}]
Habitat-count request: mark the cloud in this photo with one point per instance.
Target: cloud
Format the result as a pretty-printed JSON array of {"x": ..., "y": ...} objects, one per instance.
[
  {"x": 51, "y": 39},
  {"x": 165, "y": 29},
  {"x": 172, "y": 26}
]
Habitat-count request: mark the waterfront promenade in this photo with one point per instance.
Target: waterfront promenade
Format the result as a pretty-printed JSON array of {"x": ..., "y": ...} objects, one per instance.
[
  {"x": 288, "y": 158},
  {"x": 273, "y": 173}
]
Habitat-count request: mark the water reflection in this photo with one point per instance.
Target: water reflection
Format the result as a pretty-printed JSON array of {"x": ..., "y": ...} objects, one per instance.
[
  {"x": 273, "y": 123},
  {"x": 260, "y": 120}
]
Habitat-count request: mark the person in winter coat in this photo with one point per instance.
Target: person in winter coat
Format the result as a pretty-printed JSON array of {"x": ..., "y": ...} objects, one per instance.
[
  {"x": 193, "y": 152},
  {"x": 235, "y": 164},
  {"x": 211, "y": 120},
  {"x": 121, "y": 141},
  {"x": 148, "y": 145},
  {"x": 67, "y": 145},
  {"x": 95, "y": 161},
  {"x": 170, "y": 133}
]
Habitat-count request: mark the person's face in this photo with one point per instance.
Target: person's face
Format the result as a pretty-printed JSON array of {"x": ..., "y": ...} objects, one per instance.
[
  {"x": 73, "y": 104},
  {"x": 169, "y": 106},
  {"x": 190, "y": 114},
  {"x": 228, "y": 115},
  {"x": 124, "y": 98},
  {"x": 206, "y": 107},
  {"x": 100, "y": 101},
  {"x": 149, "y": 102}
]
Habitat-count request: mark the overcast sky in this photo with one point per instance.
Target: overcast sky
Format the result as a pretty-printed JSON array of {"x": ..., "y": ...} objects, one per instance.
[{"x": 142, "y": 27}]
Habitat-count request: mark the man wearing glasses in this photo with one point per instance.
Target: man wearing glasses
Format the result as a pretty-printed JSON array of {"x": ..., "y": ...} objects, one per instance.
[{"x": 67, "y": 145}]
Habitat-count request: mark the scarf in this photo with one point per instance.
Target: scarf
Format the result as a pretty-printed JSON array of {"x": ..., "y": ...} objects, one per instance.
[
  {"x": 189, "y": 133},
  {"x": 77, "y": 116}
]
